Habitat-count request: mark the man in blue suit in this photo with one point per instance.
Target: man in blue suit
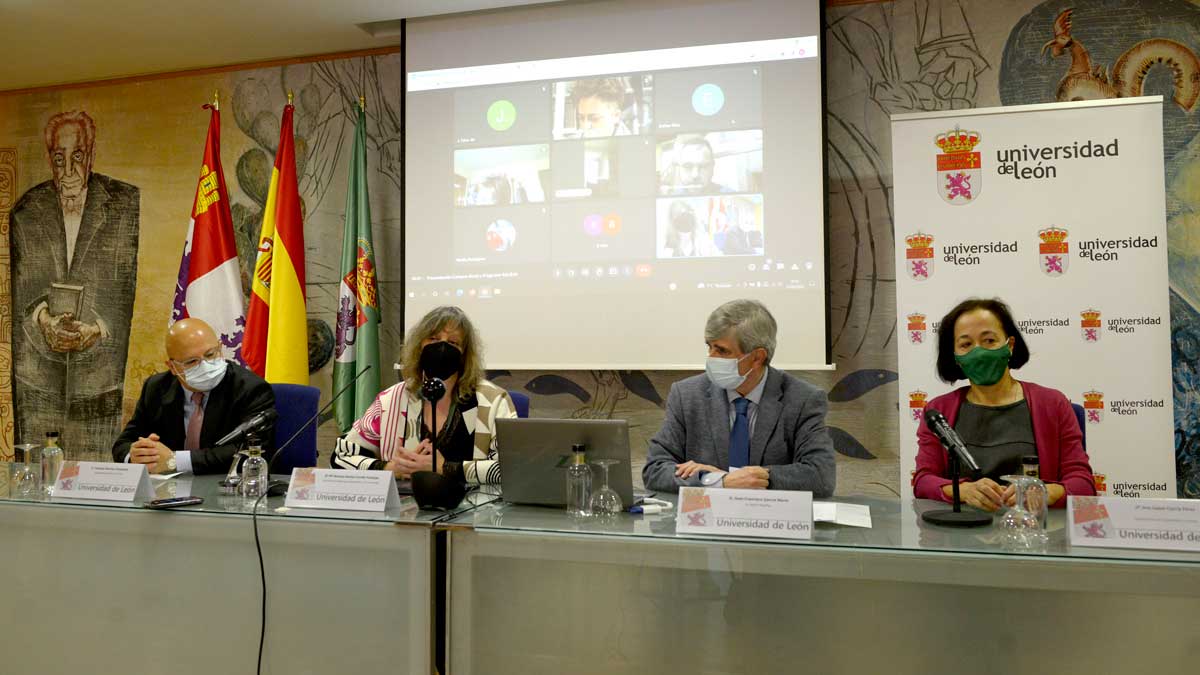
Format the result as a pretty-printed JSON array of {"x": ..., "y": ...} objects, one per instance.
[{"x": 742, "y": 424}]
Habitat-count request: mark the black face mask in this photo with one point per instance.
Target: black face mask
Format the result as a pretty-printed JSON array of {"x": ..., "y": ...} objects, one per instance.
[{"x": 441, "y": 360}]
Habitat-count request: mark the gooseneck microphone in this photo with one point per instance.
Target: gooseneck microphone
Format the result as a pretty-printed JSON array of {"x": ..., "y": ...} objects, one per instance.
[
  {"x": 430, "y": 488},
  {"x": 280, "y": 487},
  {"x": 253, "y": 423},
  {"x": 949, "y": 438},
  {"x": 256, "y": 422}
]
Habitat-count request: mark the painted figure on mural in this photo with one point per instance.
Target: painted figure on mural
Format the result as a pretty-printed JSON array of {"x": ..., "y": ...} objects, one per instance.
[{"x": 74, "y": 270}]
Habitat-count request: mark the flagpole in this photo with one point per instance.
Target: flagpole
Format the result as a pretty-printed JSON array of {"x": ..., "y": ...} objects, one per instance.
[
  {"x": 289, "y": 96},
  {"x": 362, "y": 103},
  {"x": 216, "y": 99}
]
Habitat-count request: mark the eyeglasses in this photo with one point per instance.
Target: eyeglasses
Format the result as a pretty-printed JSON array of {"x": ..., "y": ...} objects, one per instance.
[{"x": 210, "y": 355}]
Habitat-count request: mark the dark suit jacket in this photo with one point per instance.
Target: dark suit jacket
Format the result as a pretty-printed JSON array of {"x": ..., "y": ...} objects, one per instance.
[
  {"x": 789, "y": 436},
  {"x": 105, "y": 264},
  {"x": 239, "y": 395}
]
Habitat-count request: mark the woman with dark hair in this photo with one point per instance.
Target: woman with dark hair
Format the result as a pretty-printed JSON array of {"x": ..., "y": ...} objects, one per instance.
[
  {"x": 999, "y": 418},
  {"x": 396, "y": 431}
]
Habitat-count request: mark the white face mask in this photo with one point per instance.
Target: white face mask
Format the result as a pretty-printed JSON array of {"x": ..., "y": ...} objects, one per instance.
[
  {"x": 724, "y": 372},
  {"x": 205, "y": 375}
]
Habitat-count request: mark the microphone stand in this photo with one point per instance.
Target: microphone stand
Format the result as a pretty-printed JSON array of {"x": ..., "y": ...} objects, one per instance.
[
  {"x": 956, "y": 517},
  {"x": 431, "y": 489},
  {"x": 276, "y": 488}
]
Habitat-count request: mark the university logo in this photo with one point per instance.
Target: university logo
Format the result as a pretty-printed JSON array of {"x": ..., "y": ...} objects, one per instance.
[
  {"x": 1101, "y": 484},
  {"x": 916, "y": 404},
  {"x": 1054, "y": 252},
  {"x": 1093, "y": 406},
  {"x": 1089, "y": 325},
  {"x": 959, "y": 167},
  {"x": 916, "y": 328},
  {"x": 919, "y": 256}
]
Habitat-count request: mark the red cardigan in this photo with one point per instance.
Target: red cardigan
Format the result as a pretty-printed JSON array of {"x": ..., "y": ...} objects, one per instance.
[{"x": 1056, "y": 434}]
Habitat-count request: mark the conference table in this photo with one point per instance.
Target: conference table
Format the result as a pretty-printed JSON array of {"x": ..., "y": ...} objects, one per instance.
[
  {"x": 533, "y": 591},
  {"x": 116, "y": 588},
  {"x": 100, "y": 587}
]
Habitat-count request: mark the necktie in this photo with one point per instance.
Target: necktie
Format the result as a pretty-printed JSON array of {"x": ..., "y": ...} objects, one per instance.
[
  {"x": 739, "y": 437},
  {"x": 196, "y": 423}
]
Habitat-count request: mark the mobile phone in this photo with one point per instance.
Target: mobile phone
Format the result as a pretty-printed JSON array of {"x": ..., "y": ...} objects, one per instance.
[{"x": 172, "y": 502}]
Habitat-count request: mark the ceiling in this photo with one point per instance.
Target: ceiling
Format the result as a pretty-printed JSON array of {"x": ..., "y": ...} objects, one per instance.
[{"x": 52, "y": 42}]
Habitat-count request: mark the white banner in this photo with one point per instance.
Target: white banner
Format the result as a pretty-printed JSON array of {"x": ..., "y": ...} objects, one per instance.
[{"x": 1059, "y": 210}]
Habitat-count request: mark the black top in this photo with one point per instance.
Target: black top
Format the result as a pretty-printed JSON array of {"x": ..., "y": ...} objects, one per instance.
[
  {"x": 997, "y": 436},
  {"x": 454, "y": 441}
]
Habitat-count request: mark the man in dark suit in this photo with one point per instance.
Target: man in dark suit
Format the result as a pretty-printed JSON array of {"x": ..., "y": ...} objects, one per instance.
[
  {"x": 80, "y": 231},
  {"x": 181, "y": 413},
  {"x": 742, "y": 424}
]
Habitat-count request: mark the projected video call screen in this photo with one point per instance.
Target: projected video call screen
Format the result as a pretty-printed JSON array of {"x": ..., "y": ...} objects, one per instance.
[{"x": 620, "y": 182}]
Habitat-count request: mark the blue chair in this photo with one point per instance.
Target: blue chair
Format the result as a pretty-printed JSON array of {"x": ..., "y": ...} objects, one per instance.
[
  {"x": 296, "y": 404},
  {"x": 1080, "y": 417},
  {"x": 520, "y": 402}
]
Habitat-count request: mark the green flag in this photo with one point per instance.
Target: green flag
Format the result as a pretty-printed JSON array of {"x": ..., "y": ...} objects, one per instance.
[{"x": 358, "y": 296}]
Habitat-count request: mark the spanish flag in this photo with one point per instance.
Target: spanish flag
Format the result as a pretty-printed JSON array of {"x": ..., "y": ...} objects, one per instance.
[{"x": 276, "y": 343}]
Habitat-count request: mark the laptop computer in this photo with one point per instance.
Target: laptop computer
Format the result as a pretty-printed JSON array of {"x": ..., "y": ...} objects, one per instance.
[{"x": 534, "y": 453}]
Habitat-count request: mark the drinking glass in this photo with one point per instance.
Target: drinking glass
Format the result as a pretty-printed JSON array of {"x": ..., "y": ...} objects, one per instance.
[{"x": 606, "y": 501}]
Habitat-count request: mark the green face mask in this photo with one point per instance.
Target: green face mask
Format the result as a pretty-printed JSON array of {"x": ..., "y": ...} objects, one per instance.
[{"x": 984, "y": 367}]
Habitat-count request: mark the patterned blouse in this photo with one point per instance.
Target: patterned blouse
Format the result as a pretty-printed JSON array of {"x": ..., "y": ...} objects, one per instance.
[{"x": 393, "y": 421}]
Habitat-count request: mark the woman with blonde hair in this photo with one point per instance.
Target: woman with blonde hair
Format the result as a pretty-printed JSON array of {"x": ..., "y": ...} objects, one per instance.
[{"x": 395, "y": 433}]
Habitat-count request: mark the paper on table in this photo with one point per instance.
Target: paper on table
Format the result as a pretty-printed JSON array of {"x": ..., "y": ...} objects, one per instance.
[
  {"x": 165, "y": 476},
  {"x": 854, "y": 515}
]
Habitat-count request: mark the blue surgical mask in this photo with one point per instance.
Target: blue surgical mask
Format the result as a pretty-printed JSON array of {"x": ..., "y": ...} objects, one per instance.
[
  {"x": 206, "y": 375},
  {"x": 724, "y": 372}
]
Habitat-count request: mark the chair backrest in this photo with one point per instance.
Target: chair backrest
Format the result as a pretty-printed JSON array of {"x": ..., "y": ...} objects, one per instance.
[
  {"x": 1080, "y": 417},
  {"x": 520, "y": 402},
  {"x": 296, "y": 404}
]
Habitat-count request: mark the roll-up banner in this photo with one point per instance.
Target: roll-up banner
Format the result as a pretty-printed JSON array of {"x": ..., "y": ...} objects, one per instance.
[{"x": 1059, "y": 210}]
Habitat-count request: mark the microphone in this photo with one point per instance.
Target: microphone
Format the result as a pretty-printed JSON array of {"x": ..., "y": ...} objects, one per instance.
[
  {"x": 253, "y": 423},
  {"x": 275, "y": 487},
  {"x": 433, "y": 390},
  {"x": 231, "y": 480},
  {"x": 949, "y": 438},
  {"x": 430, "y": 488}
]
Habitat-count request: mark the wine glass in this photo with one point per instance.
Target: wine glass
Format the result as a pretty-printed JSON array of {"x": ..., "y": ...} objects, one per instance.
[{"x": 606, "y": 501}]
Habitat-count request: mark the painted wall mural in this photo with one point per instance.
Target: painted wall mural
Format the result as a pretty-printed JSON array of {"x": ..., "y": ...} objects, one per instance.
[
  {"x": 99, "y": 182},
  {"x": 73, "y": 245}
]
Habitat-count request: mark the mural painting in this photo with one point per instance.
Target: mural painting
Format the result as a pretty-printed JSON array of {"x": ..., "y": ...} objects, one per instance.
[{"x": 74, "y": 241}]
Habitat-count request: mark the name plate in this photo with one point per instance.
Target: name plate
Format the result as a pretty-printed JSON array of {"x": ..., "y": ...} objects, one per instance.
[
  {"x": 339, "y": 490},
  {"x": 103, "y": 481},
  {"x": 776, "y": 514},
  {"x": 1134, "y": 523}
]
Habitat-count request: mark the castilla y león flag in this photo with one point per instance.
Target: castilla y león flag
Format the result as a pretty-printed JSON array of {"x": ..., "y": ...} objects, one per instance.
[
  {"x": 276, "y": 326},
  {"x": 209, "y": 286}
]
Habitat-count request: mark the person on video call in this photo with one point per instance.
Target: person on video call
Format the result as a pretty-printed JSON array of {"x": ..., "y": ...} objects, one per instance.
[
  {"x": 181, "y": 413},
  {"x": 600, "y": 107},
  {"x": 740, "y": 237},
  {"x": 394, "y": 434},
  {"x": 742, "y": 424},
  {"x": 999, "y": 418},
  {"x": 685, "y": 238},
  {"x": 689, "y": 170}
]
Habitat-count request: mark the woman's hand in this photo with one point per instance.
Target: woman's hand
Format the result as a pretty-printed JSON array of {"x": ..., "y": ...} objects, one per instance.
[
  {"x": 1054, "y": 492},
  {"x": 407, "y": 462},
  {"x": 983, "y": 494}
]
